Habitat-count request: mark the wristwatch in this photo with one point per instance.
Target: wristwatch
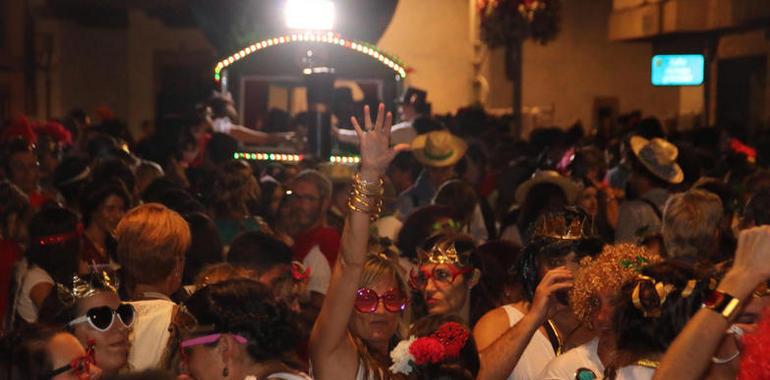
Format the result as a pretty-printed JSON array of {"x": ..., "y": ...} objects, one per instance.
[{"x": 722, "y": 303}]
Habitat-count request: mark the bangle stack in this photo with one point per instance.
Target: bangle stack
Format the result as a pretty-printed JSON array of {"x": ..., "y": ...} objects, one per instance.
[{"x": 366, "y": 197}]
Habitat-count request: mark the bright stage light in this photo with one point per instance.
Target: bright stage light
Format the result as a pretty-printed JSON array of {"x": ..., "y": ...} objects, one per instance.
[{"x": 309, "y": 14}]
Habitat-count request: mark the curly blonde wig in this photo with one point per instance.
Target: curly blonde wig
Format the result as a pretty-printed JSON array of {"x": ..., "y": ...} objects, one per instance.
[{"x": 614, "y": 266}]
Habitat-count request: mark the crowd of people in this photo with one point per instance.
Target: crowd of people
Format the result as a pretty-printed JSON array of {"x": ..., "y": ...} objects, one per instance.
[{"x": 451, "y": 251}]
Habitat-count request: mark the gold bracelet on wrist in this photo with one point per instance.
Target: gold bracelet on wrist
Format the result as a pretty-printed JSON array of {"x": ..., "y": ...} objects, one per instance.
[{"x": 366, "y": 196}]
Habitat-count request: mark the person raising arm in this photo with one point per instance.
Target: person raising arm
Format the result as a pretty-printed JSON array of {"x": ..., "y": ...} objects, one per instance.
[
  {"x": 350, "y": 336},
  {"x": 700, "y": 338}
]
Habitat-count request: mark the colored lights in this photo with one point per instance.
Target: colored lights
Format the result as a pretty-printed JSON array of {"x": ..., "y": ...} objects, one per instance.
[
  {"x": 322, "y": 37},
  {"x": 291, "y": 157},
  {"x": 345, "y": 159},
  {"x": 260, "y": 156}
]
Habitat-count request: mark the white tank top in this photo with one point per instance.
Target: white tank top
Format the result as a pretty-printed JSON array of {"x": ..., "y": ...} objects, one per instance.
[{"x": 536, "y": 356}]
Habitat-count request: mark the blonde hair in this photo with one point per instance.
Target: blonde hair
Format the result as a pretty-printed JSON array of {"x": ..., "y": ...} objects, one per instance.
[
  {"x": 377, "y": 267},
  {"x": 234, "y": 187},
  {"x": 690, "y": 221},
  {"x": 220, "y": 272},
  {"x": 615, "y": 265},
  {"x": 152, "y": 239}
]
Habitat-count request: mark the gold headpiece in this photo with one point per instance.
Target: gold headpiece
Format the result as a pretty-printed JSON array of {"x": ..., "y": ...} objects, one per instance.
[
  {"x": 662, "y": 289},
  {"x": 84, "y": 287},
  {"x": 443, "y": 252},
  {"x": 557, "y": 226}
]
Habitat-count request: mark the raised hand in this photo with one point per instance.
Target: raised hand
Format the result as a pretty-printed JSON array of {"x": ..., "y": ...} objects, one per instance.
[
  {"x": 753, "y": 253},
  {"x": 376, "y": 153},
  {"x": 545, "y": 295}
]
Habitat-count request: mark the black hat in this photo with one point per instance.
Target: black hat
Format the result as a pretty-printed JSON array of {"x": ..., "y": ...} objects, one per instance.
[{"x": 414, "y": 96}]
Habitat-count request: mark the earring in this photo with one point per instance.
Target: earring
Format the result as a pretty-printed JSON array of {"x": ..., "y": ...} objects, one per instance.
[{"x": 225, "y": 372}]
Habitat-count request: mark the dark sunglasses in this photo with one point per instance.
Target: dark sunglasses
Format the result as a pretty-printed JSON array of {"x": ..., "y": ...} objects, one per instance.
[
  {"x": 419, "y": 278},
  {"x": 102, "y": 317},
  {"x": 79, "y": 366},
  {"x": 367, "y": 300}
]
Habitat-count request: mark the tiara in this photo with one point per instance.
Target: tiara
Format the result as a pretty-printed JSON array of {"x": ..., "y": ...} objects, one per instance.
[
  {"x": 443, "y": 252},
  {"x": 87, "y": 286},
  {"x": 557, "y": 226}
]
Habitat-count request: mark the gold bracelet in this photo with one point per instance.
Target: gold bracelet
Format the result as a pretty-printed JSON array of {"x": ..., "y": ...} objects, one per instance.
[
  {"x": 368, "y": 187},
  {"x": 373, "y": 212}
]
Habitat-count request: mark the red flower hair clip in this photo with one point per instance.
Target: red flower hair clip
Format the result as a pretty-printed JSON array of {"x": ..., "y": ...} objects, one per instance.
[{"x": 299, "y": 272}]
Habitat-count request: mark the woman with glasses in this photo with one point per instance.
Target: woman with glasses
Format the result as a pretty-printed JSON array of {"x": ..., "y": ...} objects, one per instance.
[
  {"x": 446, "y": 274},
  {"x": 92, "y": 311},
  {"x": 365, "y": 302},
  {"x": 235, "y": 330},
  {"x": 42, "y": 352}
]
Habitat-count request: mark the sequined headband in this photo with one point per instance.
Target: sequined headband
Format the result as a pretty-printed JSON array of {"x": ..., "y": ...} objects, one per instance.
[
  {"x": 60, "y": 238},
  {"x": 662, "y": 289}
]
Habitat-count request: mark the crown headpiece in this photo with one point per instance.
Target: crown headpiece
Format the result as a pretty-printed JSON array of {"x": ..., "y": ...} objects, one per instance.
[
  {"x": 563, "y": 226},
  {"x": 87, "y": 286},
  {"x": 443, "y": 252}
]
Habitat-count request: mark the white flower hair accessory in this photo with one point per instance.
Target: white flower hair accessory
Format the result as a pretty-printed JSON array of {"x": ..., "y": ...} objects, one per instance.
[
  {"x": 402, "y": 358},
  {"x": 444, "y": 344}
]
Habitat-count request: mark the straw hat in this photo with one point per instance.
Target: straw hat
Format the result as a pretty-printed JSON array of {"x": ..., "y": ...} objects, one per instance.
[
  {"x": 569, "y": 187},
  {"x": 438, "y": 148},
  {"x": 659, "y": 157}
]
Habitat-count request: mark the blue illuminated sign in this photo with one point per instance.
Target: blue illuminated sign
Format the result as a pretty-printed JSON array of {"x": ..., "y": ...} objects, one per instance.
[{"x": 677, "y": 70}]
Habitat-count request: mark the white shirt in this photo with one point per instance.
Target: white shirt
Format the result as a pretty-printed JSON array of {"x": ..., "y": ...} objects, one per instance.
[
  {"x": 635, "y": 372},
  {"x": 320, "y": 270},
  {"x": 222, "y": 124},
  {"x": 28, "y": 277},
  {"x": 564, "y": 366},
  {"x": 149, "y": 334},
  {"x": 388, "y": 227},
  {"x": 401, "y": 133},
  {"x": 536, "y": 356}
]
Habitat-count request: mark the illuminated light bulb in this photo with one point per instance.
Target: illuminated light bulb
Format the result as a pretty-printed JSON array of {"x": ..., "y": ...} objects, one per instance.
[
  {"x": 299, "y": 157},
  {"x": 235, "y": 156},
  {"x": 272, "y": 157},
  {"x": 309, "y": 14},
  {"x": 293, "y": 37},
  {"x": 281, "y": 40}
]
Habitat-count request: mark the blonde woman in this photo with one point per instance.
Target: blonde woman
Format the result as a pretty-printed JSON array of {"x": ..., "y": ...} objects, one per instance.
[{"x": 367, "y": 295}]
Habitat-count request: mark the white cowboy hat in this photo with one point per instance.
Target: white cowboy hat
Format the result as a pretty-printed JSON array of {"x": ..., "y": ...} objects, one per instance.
[
  {"x": 569, "y": 187},
  {"x": 438, "y": 148},
  {"x": 659, "y": 157}
]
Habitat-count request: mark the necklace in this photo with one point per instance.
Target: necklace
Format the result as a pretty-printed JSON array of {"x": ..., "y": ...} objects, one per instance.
[{"x": 648, "y": 363}]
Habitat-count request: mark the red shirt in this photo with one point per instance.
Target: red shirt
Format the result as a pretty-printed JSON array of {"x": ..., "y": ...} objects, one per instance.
[{"x": 326, "y": 238}]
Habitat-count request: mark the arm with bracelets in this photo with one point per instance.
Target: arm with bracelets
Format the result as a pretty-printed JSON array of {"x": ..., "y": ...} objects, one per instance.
[{"x": 334, "y": 355}]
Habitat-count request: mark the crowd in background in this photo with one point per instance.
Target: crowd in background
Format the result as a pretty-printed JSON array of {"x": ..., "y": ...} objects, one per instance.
[{"x": 454, "y": 250}]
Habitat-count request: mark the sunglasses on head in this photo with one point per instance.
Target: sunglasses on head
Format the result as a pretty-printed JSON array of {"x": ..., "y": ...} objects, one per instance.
[
  {"x": 418, "y": 278},
  {"x": 184, "y": 344},
  {"x": 367, "y": 300},
  {"x": 102, "y": 317},
  {"x": 79, "y": 366}
]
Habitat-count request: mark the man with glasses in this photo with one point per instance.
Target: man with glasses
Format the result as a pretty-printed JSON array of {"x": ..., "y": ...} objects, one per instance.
[{"x": 315, "y": 244}]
